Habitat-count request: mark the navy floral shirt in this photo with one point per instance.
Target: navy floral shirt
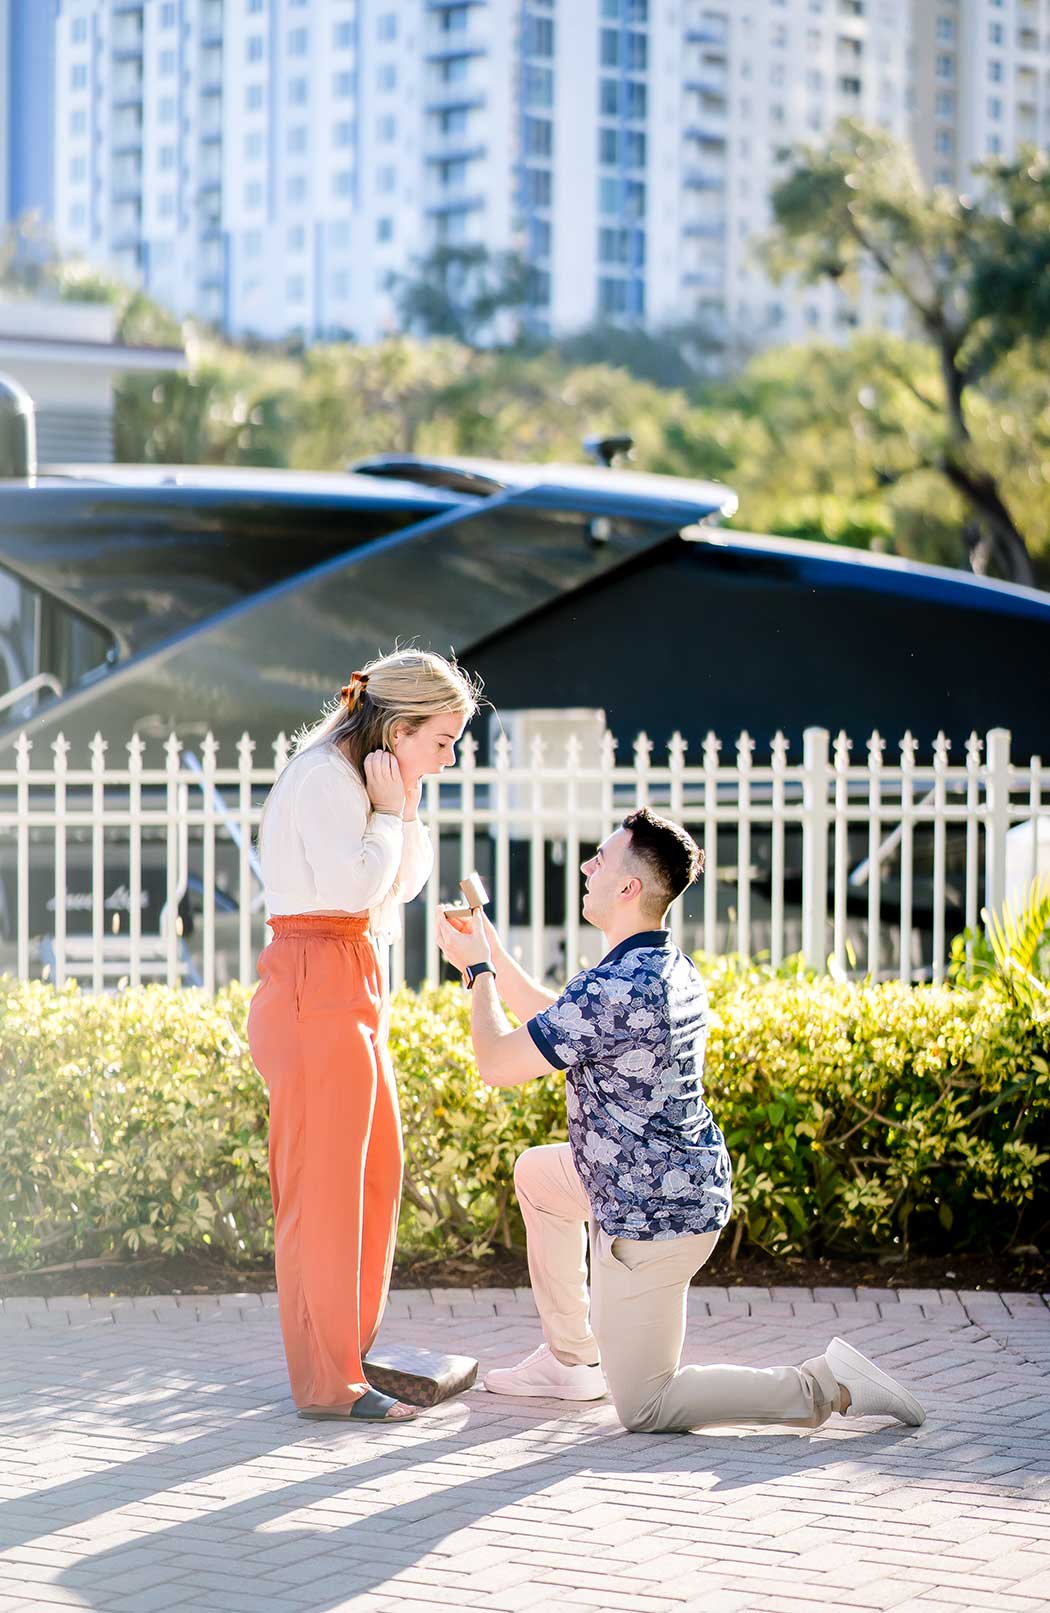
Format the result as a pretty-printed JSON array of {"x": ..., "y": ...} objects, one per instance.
[{"x": 630, "y": 1035}]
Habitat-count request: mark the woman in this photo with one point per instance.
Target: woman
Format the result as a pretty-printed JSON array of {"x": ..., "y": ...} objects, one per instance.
[{"x": 341, "y": 846}]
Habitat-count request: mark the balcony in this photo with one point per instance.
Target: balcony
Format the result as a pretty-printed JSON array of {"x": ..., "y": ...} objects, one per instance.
[
  {"x": 452, "y": 149},
  {"x": 705, "y": 229},
  {"x": 474, "y": 202},
  {"x": 704, "y": 179},
  {"x": 455, "y": 97}
]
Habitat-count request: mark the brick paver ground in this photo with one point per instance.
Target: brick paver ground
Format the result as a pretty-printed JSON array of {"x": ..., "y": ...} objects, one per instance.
[{"x": 150, "y": 1459}]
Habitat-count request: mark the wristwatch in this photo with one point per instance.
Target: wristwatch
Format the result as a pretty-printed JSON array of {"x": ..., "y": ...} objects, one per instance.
[{"x": 471, "y": 972}]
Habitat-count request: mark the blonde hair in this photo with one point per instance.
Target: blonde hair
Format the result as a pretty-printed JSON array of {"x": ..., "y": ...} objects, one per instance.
[{"x": 408, "y": 686}]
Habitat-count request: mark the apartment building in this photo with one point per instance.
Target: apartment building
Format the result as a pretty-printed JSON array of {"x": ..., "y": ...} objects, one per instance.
[{"x": 275, "y": 165}]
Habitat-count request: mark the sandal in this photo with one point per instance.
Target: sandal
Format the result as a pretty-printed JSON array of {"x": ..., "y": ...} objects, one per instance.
[{"x": 372, "y": 1407}]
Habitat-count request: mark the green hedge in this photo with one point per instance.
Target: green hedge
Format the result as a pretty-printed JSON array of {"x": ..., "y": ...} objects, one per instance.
[{"x": 860, "y": 1118}]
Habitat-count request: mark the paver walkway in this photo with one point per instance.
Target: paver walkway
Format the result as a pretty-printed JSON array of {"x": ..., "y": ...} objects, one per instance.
[{"x": 150, "y": 1458}]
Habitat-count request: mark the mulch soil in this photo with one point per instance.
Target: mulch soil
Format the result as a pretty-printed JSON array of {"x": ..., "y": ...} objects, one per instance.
[{"x": 1027, "y": 1271}]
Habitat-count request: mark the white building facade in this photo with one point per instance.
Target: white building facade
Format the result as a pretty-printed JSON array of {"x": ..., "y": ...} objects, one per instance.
[{"x": 274, "y": 165}]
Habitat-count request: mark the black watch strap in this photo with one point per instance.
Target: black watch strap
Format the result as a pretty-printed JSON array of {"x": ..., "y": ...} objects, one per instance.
[{"x": 474, "y": 969}]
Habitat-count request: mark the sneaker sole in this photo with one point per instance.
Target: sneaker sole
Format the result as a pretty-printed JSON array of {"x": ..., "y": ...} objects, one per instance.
[
  {"x": 550, "y": 1393},
  {"x": 874, "y": 1375}
]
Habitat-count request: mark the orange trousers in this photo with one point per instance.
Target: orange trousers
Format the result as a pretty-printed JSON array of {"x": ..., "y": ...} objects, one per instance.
[{"x": 317, "y": 1031}]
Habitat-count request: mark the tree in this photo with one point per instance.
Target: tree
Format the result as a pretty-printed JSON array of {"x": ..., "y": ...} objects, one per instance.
[
  {"x": 972, "y": 270},
  {"x": 463, "y": 291}
]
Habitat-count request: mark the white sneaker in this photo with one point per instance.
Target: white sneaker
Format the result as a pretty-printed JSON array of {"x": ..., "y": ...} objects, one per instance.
[
  {"x": 542, "y": 1374},
  {"x": 873, "y": 1393}
]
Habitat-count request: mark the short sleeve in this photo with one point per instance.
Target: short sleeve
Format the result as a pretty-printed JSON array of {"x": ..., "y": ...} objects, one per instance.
[{"x": 588, "y": 1021}]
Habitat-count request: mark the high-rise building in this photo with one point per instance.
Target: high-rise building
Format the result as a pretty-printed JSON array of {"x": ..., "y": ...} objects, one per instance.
[
  {"x": 27, "y": 122},
  {"x": 275, "y": 165}
]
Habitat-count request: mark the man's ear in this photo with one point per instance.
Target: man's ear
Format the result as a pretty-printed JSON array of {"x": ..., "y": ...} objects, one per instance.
[{"x": 633, "y": 888}]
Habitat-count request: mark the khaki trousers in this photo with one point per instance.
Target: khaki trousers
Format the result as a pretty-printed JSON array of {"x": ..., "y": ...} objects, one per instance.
[{"x": 638, "y": 1314}]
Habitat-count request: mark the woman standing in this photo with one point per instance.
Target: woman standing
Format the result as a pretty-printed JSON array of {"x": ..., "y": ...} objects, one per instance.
[{"x": 341, "y": 846}]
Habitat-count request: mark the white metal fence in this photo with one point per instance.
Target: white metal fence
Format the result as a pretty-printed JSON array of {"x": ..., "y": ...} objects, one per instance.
[{"x": 117, "y": 869}]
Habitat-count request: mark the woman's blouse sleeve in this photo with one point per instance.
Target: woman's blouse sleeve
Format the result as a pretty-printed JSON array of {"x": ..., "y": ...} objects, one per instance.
[
  {"x": 417, "y": 861},
  {"x": 354, "y": 854}
]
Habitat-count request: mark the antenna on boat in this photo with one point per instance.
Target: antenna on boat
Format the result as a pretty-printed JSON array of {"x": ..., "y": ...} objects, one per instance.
[
  {"x": 603, "y": 450},
  {"x": 17, "y": 430}
]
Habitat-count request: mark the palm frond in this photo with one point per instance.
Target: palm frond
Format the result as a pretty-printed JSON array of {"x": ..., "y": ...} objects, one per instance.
[{"x": 1017, "y": 935}]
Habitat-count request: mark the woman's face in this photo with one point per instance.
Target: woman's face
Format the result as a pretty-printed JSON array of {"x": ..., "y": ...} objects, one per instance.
[{"x": 431, "y": 748}]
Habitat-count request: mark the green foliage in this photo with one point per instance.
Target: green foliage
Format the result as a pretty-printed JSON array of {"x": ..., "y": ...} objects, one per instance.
[
  {"x": 860, "y": 1118},
  {"x": 1020, "y": 943},
  {"x": 971, "y": 270}
]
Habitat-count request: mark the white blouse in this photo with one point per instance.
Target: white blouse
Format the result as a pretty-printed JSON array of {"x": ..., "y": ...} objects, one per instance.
[{"x": 324, "y": 849}]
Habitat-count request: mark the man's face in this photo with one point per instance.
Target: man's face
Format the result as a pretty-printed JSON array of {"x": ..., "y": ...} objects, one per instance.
[{"x": 606, "y": 874}]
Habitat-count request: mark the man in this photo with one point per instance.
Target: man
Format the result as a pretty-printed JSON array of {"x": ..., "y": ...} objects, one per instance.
[{"x": 645, "y": 1168}]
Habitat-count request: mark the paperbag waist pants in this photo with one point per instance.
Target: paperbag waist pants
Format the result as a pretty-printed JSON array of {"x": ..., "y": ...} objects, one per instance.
[{"x": 317, "y": 1029}]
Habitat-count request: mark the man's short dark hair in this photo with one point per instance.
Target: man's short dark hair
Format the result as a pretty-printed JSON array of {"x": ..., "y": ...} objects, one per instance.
[{"x": 670, "y": 856}]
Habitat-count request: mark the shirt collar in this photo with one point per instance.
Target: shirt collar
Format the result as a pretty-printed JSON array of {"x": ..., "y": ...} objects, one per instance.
[{"x": 635, "y": 943}]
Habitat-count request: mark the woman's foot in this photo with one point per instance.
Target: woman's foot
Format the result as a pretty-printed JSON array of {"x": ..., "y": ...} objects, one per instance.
[{"x": 370, "y": 1407}]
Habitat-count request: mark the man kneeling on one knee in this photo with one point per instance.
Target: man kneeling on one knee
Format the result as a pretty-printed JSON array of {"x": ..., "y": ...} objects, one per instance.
[{"x": 645, "y": 1171}]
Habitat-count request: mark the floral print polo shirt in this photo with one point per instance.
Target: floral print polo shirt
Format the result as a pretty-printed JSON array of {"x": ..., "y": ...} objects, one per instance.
[{"x": 630, "y": 1035}]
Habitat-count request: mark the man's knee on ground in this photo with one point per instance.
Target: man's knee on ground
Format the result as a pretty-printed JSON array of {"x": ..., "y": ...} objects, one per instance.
[{"x": 637, "y": 1416}]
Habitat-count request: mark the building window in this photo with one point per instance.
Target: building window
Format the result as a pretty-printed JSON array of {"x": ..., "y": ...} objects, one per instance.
[
  {"x": 340, "y": 285},
  {"x": 166, "y": 159},
  {"x": 255, "y": 6},
  {"x": 636, "y": 53},
  {"x": 295, "y": 288},
  {"x": 77, "y": 216},
  {"x": 253, "y": 145},
  {"x": 253, "y": 243},
  {"x": 386, "y": 129},
  {"x": 538, "y": 137},
  {"x": 343, "y": 86},
  {"x": 387, "y": 25},
  {"x": 343, "y": 133},
  {"x": 386, "y": 179},
  {"x": 342, "y": 182},
  {"x": 995, "y": 108},
  {"x": 339, "y": 234},
  {"x": 78, "y": 169},
  {"x": 166, "y": 204},
  {"x": 78, "y": 122},
  {"x": 79, "y": 76},
  {"x": 388, "y": 76},
  {"x": 945, "y": 66},
  {"x": 539, "y": 86},
  {"x": 255, "y": 47},
  {"x": 945, "y": 104},
  {"x": 298, "y": 41},
  {"x": 539, "y": 36},
  {"x": 296, "y": 238},
  {"x": 612, "y": 296},
  {"x": 995, "y": 72},
  {"x": 946, "y": 30},
  {"x": 298, "y": 91},
  {"x": 539, "y": 238},
  {"x": 253, "y": 98},
  {"x": 343, "y": 35},
  {"x": 298, "y": 139},
  {"x": 79, "y": 31},
  {"x": 253, "y": 195},
  {"x": 943, "y": 142},
  {"x": 537, "y": 187},
  {"x": 384, "y": 229},
  {"x": 296, "y": 188}
]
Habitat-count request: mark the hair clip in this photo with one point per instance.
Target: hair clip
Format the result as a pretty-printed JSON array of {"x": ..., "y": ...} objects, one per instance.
[{"x": 351, "y": 692}]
